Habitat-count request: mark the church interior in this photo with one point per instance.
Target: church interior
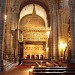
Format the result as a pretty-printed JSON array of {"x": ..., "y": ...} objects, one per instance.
[{"x": 37, "y": 30}]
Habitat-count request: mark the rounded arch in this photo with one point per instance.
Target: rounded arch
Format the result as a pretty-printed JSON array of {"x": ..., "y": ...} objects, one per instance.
[
  {"x": 38, "y": 2},
  {"x": 40, "y": 11}
]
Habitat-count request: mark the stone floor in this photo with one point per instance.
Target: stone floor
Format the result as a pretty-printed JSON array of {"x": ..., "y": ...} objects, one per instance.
[{"x": 18, "y": 70}]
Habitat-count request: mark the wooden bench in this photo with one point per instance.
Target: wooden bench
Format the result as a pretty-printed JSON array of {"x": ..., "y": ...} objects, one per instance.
[
  {"x": 53, "y": 71},
  {"x": 33, "y": 61}
]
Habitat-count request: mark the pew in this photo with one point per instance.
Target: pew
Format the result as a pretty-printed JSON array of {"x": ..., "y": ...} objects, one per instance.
[{"x": 53, "y": 71}]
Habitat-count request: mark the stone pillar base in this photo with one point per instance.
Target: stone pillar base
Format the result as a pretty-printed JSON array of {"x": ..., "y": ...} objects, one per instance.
[{"x": 1, "y": 68}]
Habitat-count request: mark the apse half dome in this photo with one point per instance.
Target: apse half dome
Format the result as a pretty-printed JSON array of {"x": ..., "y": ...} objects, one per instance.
[
  {"x": 33, "y": 15},
  {"x": 32, "y": 20}
]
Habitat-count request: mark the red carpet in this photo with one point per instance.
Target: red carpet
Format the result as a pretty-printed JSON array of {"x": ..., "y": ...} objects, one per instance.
[{"x": 23, "y": 66}]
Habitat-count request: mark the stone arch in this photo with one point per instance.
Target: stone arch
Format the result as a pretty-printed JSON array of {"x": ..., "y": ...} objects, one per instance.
[
  {"x": 41, "y": 3},
  {"x": 18, "y": 5},
  {"x": 28, "y": 9},
  {"x": 38, "y": 2}
]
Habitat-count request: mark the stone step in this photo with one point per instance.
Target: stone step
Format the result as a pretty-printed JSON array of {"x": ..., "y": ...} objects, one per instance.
[{"x": 9, "y": 65}]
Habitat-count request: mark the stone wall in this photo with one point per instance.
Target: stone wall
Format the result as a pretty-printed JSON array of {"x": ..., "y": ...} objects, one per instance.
[
  {"x": 2, "y": 8},
  {"x": 72, "y": 13}
]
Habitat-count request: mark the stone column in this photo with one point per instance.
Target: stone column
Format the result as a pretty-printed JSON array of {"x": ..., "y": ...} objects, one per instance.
[
  {"x": 72, "y": 13},
  {"x": 55, "y": 35},
  {"x": 2, "y": 8},
  {"x": 54, "y": 30},
  {"x": 60, "y": 14},
  {"x": 20, "y": 52},
  {"x": 51, "y": 32}
]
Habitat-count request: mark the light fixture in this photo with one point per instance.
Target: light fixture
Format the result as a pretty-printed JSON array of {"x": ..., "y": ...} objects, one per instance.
[
  {"x": 5, "y": 17},
  {"x": 48, "y": 32},
  {"x": 62, "y": 45}
]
